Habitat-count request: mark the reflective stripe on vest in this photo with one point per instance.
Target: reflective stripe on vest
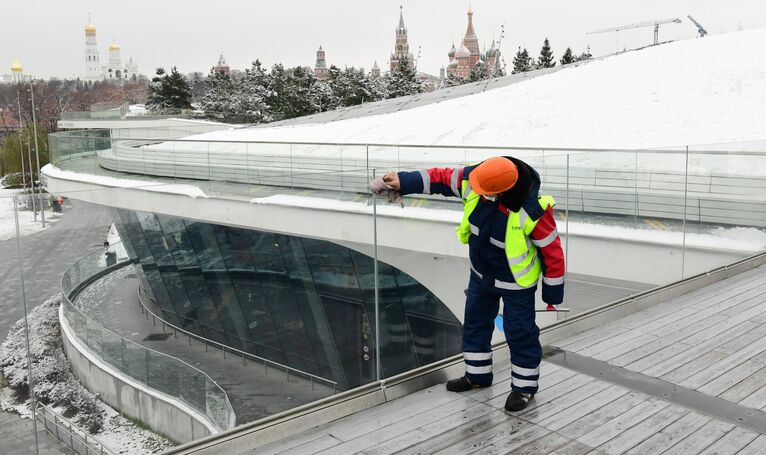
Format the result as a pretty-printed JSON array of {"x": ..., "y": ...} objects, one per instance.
[{"x": 519, "y": 248}]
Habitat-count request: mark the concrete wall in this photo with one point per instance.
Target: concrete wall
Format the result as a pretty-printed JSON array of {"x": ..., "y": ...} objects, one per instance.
[{"x": 160, "y": 412}]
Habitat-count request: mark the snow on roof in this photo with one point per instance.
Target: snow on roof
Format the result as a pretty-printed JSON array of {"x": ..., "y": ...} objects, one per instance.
[{"x": 697, "y": 91}]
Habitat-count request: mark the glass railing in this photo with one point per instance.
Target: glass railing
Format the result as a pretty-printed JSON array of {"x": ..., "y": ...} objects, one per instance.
[
  {"x": 361, "y": 289},
  {"x": 156, "y": 370}
]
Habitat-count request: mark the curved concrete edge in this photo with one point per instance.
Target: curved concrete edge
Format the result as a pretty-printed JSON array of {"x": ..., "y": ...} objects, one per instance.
[{"x": 162, "y": 413}]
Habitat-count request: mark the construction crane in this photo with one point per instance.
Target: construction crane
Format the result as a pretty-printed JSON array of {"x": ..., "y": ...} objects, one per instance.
[
  {"x": 655, "y": 24},
  {"x": 700, "y": 29}
]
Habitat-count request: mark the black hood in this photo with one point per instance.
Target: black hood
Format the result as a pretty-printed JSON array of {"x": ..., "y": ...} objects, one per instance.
[{"x": 528, "y": 184}]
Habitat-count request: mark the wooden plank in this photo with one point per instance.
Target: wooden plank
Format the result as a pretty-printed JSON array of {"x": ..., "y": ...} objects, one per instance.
[
  {"x": 671, "y": 434},
  {"x": 645, "y": 362},
  {"x": 476, "y": 443},
  {"x": 756, "y": 447},
  {"x": 603, "y": 414},
  {"x": 573, "y": 448},
  {"x": 640, "y": 432},
  {"x": 542, "y": 445},
  {"x": 619, "y": 349},
  {"x": 564, "y": 402},
  {"x": 731, "y": 378},
  {"x": 756, "y": 400},
  {"x": 620, "y": 423},
  {"x": 684, "y": 371},
  {"x": 371, "y": 434},
  {"x": 724, "y": 365},
  {"x": 573, "y": 413},
  {"x": 741, "y": 342},
  {"x": 453, "y": 423},
  {"x": 699, "y": 348},
  {"x": 480, "y": 426},
  {"x": 748, "y": 386},
  {"x": 392, "y": 424},
  {"x": 700, "y": 439},
  {"x": 311, "y": 447},
  {"x": 732, "y": 442},
  {"x": 297, "y": 442}
]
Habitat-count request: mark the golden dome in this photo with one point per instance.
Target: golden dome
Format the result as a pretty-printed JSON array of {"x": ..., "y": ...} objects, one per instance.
[
  {"x": 16, "y": 67},
  {"x": 114, "y": 47},
  {"x": 90, "y": 28}
]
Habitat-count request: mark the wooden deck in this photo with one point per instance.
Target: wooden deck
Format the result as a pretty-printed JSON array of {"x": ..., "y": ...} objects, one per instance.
[{"x": 712, "y": 340}]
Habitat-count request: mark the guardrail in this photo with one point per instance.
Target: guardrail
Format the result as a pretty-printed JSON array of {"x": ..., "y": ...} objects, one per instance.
[
  {"x": 68, "y": 433},
  {"x": 154, "y": 369},
  {"x": 239, "y": 353}
]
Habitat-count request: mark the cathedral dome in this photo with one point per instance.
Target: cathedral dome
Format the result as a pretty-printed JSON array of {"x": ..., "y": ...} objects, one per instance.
[
  {"x": 451, "y": 52},
  {"x": 452, "y": 64},
  {"x": 16, "y": 67},
  {"x": 462, "y": 52},
  {"x": 114, "y": 47},
  {"x": 90, "y": 28}
]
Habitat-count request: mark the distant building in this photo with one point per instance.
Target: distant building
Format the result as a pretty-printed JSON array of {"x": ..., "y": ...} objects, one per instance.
[
  {"x": 321, "y": 71},
  {"x": 402, "y": 47},
  {"x": 375, "y": 72},
  {"x": 467, "y": 56},
  {"x": 222, "y": 66},
  {"x": 114, "y": 70}
]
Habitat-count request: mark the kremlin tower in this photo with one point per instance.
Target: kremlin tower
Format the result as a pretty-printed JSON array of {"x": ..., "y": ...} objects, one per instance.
[
  {"x": 402, "y": 47},
  {"x": 320, "y": 67}
]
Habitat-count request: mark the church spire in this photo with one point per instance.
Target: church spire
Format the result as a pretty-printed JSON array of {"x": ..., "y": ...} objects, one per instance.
[{"x": 401, "y": 18}]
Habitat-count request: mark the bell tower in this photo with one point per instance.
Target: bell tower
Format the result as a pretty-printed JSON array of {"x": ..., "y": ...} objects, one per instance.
[
  {"x": 401, "y": 47},
  {"x": 92, "y": 60}
]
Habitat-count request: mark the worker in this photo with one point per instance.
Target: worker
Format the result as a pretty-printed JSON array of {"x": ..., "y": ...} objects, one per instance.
[{"x": 512, "y": 241}]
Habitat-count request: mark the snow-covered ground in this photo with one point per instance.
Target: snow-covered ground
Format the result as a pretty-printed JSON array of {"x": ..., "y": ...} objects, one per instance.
[
  {"x": 699, "y": 91},
  {"x": 27, "y": 223}
]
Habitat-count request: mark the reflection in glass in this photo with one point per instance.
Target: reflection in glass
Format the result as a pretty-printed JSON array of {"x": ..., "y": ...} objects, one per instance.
[{"x": 304, "y": 303}]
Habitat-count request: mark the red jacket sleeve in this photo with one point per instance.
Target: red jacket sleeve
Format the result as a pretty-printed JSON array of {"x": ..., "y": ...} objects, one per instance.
[
  {"x": 445, "y": 181},
  {"x": 546, "y": 238}
]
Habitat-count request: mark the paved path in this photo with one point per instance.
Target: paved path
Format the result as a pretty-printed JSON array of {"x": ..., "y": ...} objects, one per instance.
[{"x": 81, "y": 228}]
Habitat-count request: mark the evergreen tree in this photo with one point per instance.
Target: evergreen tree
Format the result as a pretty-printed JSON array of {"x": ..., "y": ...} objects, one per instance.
[
  {"x": 585, "y": 55},
  {"x": 454, "y": 80},
  {"x": 292, "y": 92},
  {"x": 546, "y": 59},
  {"x": 169, "y": 91},
  {"x": 222, "y": 94},
  {"x": 403, "y": 81},
  {"x": 351, "y": 87},
  {"x": 499, "y": 69},
  {"x": 197, "y": 85},
  {"x": 254, "y": 91},
  {"x": 479, "y": 72},
  {"x": 522, "y": 62},
  {"x": 568, "y": 57}
]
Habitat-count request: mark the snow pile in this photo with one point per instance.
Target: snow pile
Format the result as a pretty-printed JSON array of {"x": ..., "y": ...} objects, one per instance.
[
  {"x": 146, "y": 185},
  {"x": 56, "y": 386},
  {"x": 137, "y": 110},
  {"x": 698, "y": 91},
  {"x": 54, "y": 382},
  {"x": 27, "y": 223}
]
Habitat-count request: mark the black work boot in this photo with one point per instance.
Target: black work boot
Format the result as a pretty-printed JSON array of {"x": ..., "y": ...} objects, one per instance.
[
  {"x": 462, "y": 384},
  {"x": 517, "y": 401}
]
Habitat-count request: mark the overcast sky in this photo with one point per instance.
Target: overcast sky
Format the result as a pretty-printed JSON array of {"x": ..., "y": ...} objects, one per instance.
[{"x": 47, "y": 35}]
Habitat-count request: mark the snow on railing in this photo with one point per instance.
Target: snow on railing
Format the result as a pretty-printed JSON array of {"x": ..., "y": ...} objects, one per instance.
[{"x": 69, "y": 434}]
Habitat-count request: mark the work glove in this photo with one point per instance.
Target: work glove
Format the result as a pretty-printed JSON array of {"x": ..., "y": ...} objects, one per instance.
[{"x": 380, "y": 188}]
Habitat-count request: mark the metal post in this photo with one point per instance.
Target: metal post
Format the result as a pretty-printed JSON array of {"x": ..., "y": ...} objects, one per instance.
[
  {"x": 686, "y": 193},
  {"x": 375, "y": 278},
  {"x": 31, "y": 177},
  {"x": 566, "y": 221},
  {"x": 37, "y": 153},
  {"x": 33, "y": 402},
  {"x": 243, "y": 360},
  {"x": 21, "y": 144}
]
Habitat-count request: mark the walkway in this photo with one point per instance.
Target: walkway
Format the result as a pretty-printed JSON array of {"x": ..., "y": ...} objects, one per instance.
[
  {"x": 686, "y": 376},
  {"x": 81, "y": 228},
  {"x": 254, "y": 392}
]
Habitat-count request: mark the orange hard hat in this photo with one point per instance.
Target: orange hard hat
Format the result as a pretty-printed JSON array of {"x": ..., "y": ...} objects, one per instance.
[{"x": 494, "y": 176}]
